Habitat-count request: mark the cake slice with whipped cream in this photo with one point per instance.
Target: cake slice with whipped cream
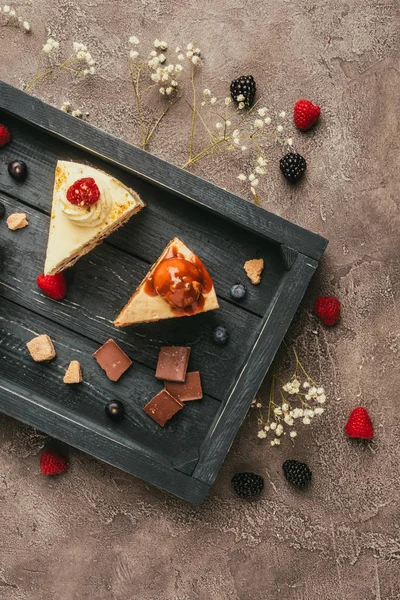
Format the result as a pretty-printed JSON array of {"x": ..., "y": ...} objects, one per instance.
[{"x": 88, "y": 205}]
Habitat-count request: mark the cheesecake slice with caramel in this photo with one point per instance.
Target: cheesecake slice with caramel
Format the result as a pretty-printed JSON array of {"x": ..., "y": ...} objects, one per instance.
[{"x": 177, "y": 285}]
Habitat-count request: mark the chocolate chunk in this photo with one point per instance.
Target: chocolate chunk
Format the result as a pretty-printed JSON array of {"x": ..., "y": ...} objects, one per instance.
[
  {"x": 162, "y": 407},
  {"x": 172, "y": 363},
  {"x": 112, "y": 359},
  {"x": 189, "y": 390}
]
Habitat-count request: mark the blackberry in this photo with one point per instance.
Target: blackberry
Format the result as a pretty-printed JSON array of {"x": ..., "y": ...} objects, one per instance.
[
  {"x": 114, "y": 409},
  {"x": 243, "y": 86},
  {"x": 293, "y": 166},
  {"x": 247, "y": 485},
  {"x": 297, "y": 473},
  {"x": 220, "y": 335},
  {"x": 238, "y": 291}
]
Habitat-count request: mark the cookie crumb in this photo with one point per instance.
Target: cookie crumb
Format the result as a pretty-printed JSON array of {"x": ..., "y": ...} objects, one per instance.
[
  {"x": 74, "y": 373},
  {"x": 41, "y": 348},
  {"x": 253, "y": 269},
  {"x": 17, "y": 221}
]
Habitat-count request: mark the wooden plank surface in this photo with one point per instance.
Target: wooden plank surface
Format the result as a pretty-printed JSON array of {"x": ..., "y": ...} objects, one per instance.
[
  {"x": 84, "y": 403},
  {"x": 223, "y": 246},
  {"x": 155, "y": 170},
  {"x": 234, "y": 410},
  {"x": 98, "y": 287}
]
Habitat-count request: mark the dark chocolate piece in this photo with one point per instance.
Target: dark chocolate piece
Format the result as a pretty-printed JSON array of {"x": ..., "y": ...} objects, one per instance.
[
  {"x": 112, "y": 359},
  {"x": 162, "y": 407},
  {"x": 172, "y": 363},
  {"x": 189, "y": 390}
]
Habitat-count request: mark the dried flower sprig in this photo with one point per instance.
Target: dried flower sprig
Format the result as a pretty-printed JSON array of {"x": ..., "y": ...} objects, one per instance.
[
  {"x": 300, "y": 398},
  {"x": 160, "y": 74},
  {"x": 9, "y": 18},
  {"x": 80, "y": 62}
]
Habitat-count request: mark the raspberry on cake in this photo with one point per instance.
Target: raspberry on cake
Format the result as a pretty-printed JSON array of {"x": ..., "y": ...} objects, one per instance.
[
  {"x": 88, "y": 205},
  {"x": 41, "y": 348},
  {"x": 177, "y": 285}
]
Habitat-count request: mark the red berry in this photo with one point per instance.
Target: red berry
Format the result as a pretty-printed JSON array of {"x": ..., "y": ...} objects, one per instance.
[
  {"x": 52, "y": 463},
  {"x": 5, "y": 135},
  {"x": 359, "y": 425},
  {"x": 53, "y": 286},
  {"x": 328, "y": 309},
  {"x": 83, "y": 192},
  {"x": 305, "y": 114}
]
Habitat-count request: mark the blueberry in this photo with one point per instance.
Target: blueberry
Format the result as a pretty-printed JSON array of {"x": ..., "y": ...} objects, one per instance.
[
  {"x": 18, "y": 170},
  {"x": 114, "y": 409},
  {"x": 2, "y": 210},
  {"x": 238, "y": 291},
  {"x": 220, "y": 335}
]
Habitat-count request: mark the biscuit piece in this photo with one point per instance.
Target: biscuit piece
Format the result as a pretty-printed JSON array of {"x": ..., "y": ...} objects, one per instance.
[
  {"x": 254, "y": 269},
  {"x": 74, "y": 373},
  {"x": 41, "y": 348},
  {"x": 17, "y": 221}
]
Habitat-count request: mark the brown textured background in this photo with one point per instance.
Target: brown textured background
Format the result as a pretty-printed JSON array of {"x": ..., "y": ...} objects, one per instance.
[{"x": 97, "y": 533}]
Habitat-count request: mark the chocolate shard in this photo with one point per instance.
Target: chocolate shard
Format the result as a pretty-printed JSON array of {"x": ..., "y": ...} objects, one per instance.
[
  {"x": 162, "y": 407},
  {"x": 189, "y": 390},
  {"x": 172, "y": 363},
  {"x": 112, "y": 359}
]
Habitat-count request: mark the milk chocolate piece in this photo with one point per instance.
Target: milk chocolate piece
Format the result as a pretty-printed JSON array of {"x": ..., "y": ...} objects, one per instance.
[
  {"x": 172, "y": 363},
  {"x": 112, "y": 359},
  {"x": 189, "y": 390},
  {"x": 162, "y": 407}
]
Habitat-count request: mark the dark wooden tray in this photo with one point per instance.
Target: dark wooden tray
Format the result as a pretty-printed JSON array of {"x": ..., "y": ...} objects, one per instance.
[{"x": 223, "y": 229}]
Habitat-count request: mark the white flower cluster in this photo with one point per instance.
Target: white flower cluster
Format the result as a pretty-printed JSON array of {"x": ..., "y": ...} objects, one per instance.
[
  {"x": 286, "y": 414},
  {"x": 192, "y": 53},
  {"x": 67, "y": 107},
  {"x": 164, "y": 75},
  {"x": 13, "y": 19},
  {"x": 259, "y": 169},
  {"x": 50, "y": 45},
  {"x": 82, "y": 54}
]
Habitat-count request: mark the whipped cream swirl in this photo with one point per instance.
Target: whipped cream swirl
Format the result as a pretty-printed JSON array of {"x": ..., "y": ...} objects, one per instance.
[{"x": 88, "y": 216}]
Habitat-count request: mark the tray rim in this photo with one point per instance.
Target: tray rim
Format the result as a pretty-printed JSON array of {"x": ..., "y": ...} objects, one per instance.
[{"x": 191, "y": 479}]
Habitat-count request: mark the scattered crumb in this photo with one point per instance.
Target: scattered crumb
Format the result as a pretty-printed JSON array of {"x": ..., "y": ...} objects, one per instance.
[
  {"x": 41, "y": 348},
  {"x": 254, "y": 269},
  {"x": 74, "y": 373},
  {"x": 17, "y": 221}
]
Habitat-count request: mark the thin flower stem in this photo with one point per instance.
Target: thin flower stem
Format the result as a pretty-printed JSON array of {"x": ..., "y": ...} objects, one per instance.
[
  {"x": 198, "y": 114},
  {"x": 156, "y": 124},
  {"x": 64, "y": 65},
  {"x": 203, "y": 153},
  {"x": 298, "y": 364},
  {"x": 255, "y": 196},
  {"x": 135, "y": 83},
  {"x": 194, "y": 110}
]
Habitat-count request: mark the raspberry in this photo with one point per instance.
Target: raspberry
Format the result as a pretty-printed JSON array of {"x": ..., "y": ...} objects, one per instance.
[
  {"x": 328, "y": 309},
  {"x": 305, "y": 114},
  {"x": 247, "y": 485},
  {"x": 53, "y": 286},
  {"x": 5, "y": 135},
  {"x": 359, "y": 425},
  {"x": 52, "y": 463},
  {"x": 83, "y": 192}
]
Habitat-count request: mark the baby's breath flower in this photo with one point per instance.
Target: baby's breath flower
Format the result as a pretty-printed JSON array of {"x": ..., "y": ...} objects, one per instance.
[
  {"x": 288, "y": 419},
  {"x": 196, "y": 60},
  {"x": 243, "y": 148},
  {"x": 157, "y": 43},
  {"x": 169, "y": 91},
  {"x": 262, "y": 434},
  {"x": 259, "y": 405},
  {"x": 206, "y": 92},
  {"x": 189, "y": 46},
  {"x": 293, "y": 434},
  {"x": 277, "y": 442},
  {"x": 306, "y": 385},
  {"x": 197, "y": 51},
  {"x": 153, "y": 53},
  {"x": 279, "y": 430},
  {"x": 241, "y": 105},
  {"x": 254, "y": 184},
  {"x": 312, "y": 391},
  {"x": 289, "y": 141},
  {"x": 279, "y": 128},
  {"x": 162, "y": 91},
  {"x": 163, "y": 45},
  {"x": 236, "y": 133},
  {"x": 227, "y": 101},
  {"x": 181, "y": 57},
  {"x": 134, "y": 40},
  {"x": 66, "y": 106},
  {"x": 273, "y": 425},
  {"x": 318, "y": 410},
  {"x": 77, "y": 113},
  {"x": 320, "y": 391},
  {"x": 282, "y": 114},
  {"x": 177, "y": 49},
  {"x": 6, "y": 9},
  {"x": 26, "y": 25},
  {"x": 266, "y": 427},
  {"x": 240, "y": 98},
  {"x": 242, "y": 177},
  {"x": 165, "y": 77},
  {"x": 133, "y": 54},
  {"x": 277, "y": 410},
  {"x": 321, "y": 399},
  {"x": 261, "y": 161},
  {"x": 178, "y": 68},
  {"x": 260, "y": 170},
  {"x": 189, "y": 54},
  {"x": 155, "y": 77},
  {"x": 162, "y": 58},
  {"x": 219, "y": 125},
  {"x": 213, "y": 100},
  {"x": 174, "y": 83},
  {"x": 252, "y": 177},
  {"x": 306, "y": 421},
  {"x": 258, "y": 124},
  {"x": 12, "y": 13},
  {"x": 228, "y": 123},
  {"x": 262, "y": 112},
  {"x": 267, "y": 120},
  {"x": 285, "y": 407}
]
